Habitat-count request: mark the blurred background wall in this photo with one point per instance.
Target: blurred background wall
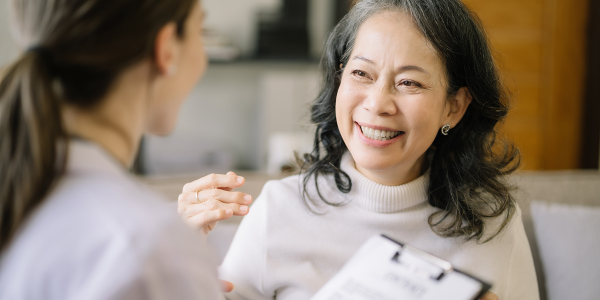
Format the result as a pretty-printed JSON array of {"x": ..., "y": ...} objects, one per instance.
[
  {"x": 251, "y": 109},
  {"x": 8, "y": 50}
]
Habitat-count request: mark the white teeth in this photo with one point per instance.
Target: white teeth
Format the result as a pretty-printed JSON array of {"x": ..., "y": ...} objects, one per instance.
[{"x": 380, "y": 135}]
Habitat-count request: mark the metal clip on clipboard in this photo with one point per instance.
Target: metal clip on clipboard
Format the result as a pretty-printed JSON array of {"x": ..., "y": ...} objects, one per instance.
[{"x": 422, "y": 263}]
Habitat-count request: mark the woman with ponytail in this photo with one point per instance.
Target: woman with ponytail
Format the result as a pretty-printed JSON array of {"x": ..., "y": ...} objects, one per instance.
[{"x": 93, "y": 77}]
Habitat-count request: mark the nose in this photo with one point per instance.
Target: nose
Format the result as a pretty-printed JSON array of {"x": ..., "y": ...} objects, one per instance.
[{"x": 380, "y": 99}]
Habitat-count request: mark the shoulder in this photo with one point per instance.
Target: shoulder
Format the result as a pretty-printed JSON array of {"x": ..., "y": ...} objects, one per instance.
[
  {"x": 502, "y": 237},
  {"x": 94, "y": 224},
  {"x": 510, "y": 256},
  {"x": 508, "y": 225},
  {"x": 289, "y": 184},
  {"x": 298, "y": 185},
  {"x": 120, "y": 199},
  {"x": 299, "y": 192},
  {"x": 104, "y": 209},
  {"x": 281, "y": 192},
  {"x": 513, "y": 234},
  {"x": 277, "y": 197}
]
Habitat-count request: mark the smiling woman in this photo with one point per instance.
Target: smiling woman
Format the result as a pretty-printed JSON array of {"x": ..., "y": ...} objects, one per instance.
[{"x": 405, "y": 146}]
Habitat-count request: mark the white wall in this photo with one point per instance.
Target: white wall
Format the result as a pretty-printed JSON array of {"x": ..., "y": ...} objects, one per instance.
[
  {"x": 225, "y": 124},
  {"x": 8, "y": 49}
]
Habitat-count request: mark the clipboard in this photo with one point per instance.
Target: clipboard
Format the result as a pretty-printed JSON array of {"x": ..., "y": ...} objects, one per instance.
[{"x": 385, "y": 269}]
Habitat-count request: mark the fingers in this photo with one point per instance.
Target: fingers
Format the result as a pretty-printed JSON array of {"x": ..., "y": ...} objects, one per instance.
[
  {"x": 228, "y": 189},
  {"x": 212, "y": 204},
  {"x": 489, "y": 296},
  {"x": 206, "y": 218},
  {"x": 226, "y": 286},
  {"x": 210, "y": 199},
  {"x": 214, "y": 194},
  {"x": 205, "y": 215},
  {"x": 215, "y": 181},
  {"x": 221, "y": 195}
]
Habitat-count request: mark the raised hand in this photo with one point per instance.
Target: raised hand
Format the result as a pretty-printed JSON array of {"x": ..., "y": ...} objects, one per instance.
[{"x": 210, "y": 199}]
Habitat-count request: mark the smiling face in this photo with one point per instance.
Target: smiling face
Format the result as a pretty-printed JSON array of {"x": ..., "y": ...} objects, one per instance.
[{"x": 392, "y": 99}]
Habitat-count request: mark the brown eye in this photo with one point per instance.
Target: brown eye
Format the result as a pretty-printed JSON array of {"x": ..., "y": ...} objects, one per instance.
[
  {"x": 409, "y": 83},
  {"x": 360, "y": 73}
]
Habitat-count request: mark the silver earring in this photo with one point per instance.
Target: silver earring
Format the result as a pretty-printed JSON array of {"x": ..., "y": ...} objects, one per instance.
[{"x": 445, "y": 129}]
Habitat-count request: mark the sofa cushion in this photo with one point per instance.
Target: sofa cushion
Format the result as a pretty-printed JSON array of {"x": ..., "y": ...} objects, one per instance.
[
  {"x": 567, "y": 187},
  {"x": 568, "y": 238}
]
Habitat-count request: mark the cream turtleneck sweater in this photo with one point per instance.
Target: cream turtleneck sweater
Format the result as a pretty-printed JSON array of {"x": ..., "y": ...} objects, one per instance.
[{"x": 283, "y": 251}]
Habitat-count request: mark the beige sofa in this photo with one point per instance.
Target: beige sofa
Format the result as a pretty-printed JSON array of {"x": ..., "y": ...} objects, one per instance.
[
  {"x": 572, "y": 188},
  {"x": 564, "y": 187}
]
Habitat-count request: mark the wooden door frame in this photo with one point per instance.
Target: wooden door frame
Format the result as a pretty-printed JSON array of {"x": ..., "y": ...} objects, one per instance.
[
  {"x": 590, "y": 154},
  {"x": 564, "y": 81}
]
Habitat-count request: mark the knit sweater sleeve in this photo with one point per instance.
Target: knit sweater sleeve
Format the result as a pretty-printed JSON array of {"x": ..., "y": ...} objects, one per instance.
[
  {"x": 521, "y": 281},
  {"x": 244, "y": 264}
]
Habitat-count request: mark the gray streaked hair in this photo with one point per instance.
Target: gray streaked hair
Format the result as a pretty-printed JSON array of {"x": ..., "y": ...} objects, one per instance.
[{"x": 466, "y": 179}]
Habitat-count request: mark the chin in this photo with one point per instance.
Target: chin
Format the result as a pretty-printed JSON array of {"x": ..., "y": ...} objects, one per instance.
[
  {"x": 161, "y": 133},
  {"x": 161, "y": 129},
  {"x": 372, "y": 162}
]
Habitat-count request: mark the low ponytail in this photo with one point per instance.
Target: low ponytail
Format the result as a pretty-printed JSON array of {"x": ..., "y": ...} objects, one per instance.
[
  {"x": 33, "y": 141},
  {"x": 83, "y": 47}
]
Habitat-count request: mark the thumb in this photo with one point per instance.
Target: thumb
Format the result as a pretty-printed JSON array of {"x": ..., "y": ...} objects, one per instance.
[{"x": 226, "y": 286}]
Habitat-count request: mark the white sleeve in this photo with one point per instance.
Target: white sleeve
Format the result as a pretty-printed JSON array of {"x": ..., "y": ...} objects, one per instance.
[
  {"x": 521, "y": 281},
  {"x": 244, "y": 264},
  {"x": 181, "y": 267},
  {"x": 175, "y": 265}
]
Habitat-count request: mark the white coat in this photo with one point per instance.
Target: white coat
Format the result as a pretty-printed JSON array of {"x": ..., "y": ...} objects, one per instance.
[{"x": 99, "y": 234}]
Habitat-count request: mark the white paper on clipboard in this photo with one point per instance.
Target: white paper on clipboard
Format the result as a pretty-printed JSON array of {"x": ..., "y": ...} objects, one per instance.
[{"x": 384, "y": 269}]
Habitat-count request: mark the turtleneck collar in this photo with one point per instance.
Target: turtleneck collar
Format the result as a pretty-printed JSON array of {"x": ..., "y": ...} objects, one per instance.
[{"x": 372, "y": 196}]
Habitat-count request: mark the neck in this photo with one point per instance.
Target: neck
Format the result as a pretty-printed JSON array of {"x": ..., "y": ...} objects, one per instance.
[
  {"x": 397, "y": 175},
  {"x": 375, "y": 197},
  {"x": 117, "y": 122}
]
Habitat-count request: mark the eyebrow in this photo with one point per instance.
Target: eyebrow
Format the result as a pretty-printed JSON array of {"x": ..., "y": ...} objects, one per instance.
[{"x": 400, "y": 70}]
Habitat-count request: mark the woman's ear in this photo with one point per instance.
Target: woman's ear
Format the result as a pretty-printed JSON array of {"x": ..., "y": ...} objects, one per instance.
[
  {"x": 166, "y": 50},
  {"x": 457, "y": 106}
]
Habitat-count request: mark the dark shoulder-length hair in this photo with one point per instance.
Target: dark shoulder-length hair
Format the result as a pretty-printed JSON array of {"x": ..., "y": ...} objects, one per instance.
[{"x": 467, "y": 170}]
